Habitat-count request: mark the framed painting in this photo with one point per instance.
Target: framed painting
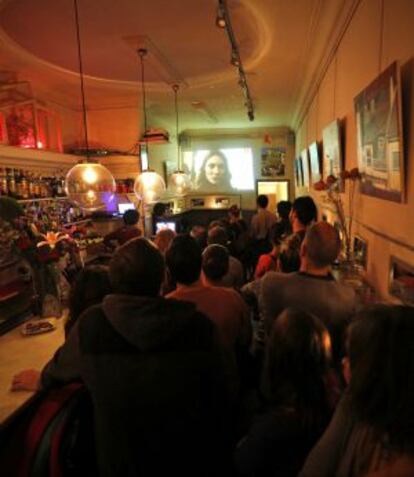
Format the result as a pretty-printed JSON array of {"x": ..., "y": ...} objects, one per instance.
[
  {"x": 273, "y": 161},
  {"x": 379, "y": 137},
  {"x": 304, "y": 160},
  {"x": 315, "y": 164},
  {"x": 298, "y": 173},
  {"x": 401, "y": 284},
  {"x": 332, "y": 163}
]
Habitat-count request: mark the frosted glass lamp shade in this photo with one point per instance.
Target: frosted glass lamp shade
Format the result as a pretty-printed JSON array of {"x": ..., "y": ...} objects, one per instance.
[
  {"x": 179, "y": 183},
  {"x": 90, "y": 186},
  {"x": 149, "y": 186}
]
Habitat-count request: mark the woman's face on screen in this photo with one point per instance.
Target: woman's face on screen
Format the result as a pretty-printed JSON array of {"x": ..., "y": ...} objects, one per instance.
[{"x": 215, "y": 170}]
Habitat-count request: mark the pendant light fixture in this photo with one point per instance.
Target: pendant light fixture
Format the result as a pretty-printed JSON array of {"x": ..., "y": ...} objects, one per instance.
[
  {"x": 149, "y": 186},
  {"x": 179, "y": 181},
  {"x": 88, "y": 184}
]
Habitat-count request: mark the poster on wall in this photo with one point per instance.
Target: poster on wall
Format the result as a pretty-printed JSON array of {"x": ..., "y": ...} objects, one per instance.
[
  {"x": 273, "y": 161},
  {"x": 305, "y": 167},
  {"x": 315, "y": 165},
  {"x": 332, "y": 154},
  {"x": 379, "y": 137},
  {"x": 298, "y": 173}
]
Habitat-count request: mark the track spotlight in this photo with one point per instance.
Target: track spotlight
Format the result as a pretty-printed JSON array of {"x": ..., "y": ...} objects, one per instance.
[{"x": 220, "y": 19}]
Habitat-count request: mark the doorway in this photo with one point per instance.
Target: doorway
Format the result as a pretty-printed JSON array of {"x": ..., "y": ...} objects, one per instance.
[{"x": 276, "y": 190}]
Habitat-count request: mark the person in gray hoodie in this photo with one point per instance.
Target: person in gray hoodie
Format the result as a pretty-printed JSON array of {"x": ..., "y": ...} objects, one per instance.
[{"x": 154, "y": 371}]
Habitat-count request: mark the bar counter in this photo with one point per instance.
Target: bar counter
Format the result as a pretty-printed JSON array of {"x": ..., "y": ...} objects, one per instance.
[{"x": 18, "y": 352}]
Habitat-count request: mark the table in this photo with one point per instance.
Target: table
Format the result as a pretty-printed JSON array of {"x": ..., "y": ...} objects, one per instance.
[{"x": 18, "y": 352}]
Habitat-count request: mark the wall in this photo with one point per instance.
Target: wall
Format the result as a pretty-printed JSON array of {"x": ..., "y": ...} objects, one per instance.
[
  {"x": 368, "y": 46},
  {"x": 254, "y": 138}
]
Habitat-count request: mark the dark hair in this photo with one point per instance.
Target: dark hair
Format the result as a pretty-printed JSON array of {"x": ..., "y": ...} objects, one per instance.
[
  {"x": 283, "y": 209},
  {"x": 202, "y": 183},
  {"x": 381, "y": 352},
  {"x": 289, "y": 254},
  {"x": 262, "y": 201},
  {"x": 131, "y": 217},
  {"x": 215, "y": 262},
  {"x": 234, "y": 211},
  {"x": 183, "y": 259},
  {"x": 137, "y": 268},
  {"x": 305, "y": 209},
  {"x": 218, "y": 236},
  {"x": 322, "y": 244},
  {"x": 89, "y": 287},
  {"x": 159, "y": 209},
  {"x": 276, "y": 233},
  {"x": 298, "y": 357}
]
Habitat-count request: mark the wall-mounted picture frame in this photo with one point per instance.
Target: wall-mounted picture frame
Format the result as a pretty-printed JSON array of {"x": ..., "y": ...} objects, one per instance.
[
  {"x": 298, "y": 172},
  {"x": 305, "y": 167},
  {"x": 273, "y": 162},
  {"x": 401, "y": 284},
  {"x": 380, "y": 149},
  {"x": 332, "y": 163},
  {"x": 315, "y": 162},
  {"x": 360, "y": 251}
]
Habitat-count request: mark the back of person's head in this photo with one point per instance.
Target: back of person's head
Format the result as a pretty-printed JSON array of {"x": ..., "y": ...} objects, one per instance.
[
  {"x": 137, "y": 268},
  {"x": 297, "y": 358},
  {"x": 322, "y": 244},
  {"x": 163, "y": 239},
  {"x": 262, "y": 201},
  {"x": 199, "y": 233},
  {"x": 131, "y": 217},
  {"x": 289, "y": 254},
  {"x": 381, "y": 353},
  {"x": 159, "y": 209},
  {"x": 276, "y": 233},
  {"x": 183, "y": 259},
  {"x": 283, "y": 209},
  {"x": 215, "y": 262},
  {"x": 305, "y": 210},
  {"x": 217, "y": 236},
  {"x": 234, "y": 211},
  {"x": 89, "y": 288}
]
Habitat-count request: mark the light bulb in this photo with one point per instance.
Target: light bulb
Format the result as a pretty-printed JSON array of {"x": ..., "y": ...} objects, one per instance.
[
  {"x": 179, "y": 183},
  {"x": 90, "y": 186},
  {"x": 149, "y": 186}
]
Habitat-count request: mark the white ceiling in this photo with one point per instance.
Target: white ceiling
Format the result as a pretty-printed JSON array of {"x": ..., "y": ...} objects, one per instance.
[{"x": 283, "y": 45}]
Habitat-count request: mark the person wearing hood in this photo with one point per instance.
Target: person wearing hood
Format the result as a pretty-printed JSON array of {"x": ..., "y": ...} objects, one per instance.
[{"x": 154, "y": 371}]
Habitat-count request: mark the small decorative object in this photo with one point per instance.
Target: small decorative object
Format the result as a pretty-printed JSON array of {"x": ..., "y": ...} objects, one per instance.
[
  {"x": 333, "y": 195},
  {"x": 273, "y": 161},
  {"x": 360, "y": 251},
  {"x": 401, "y": 283},
  {"x": 379, "y": 137},
  {"x": 332, "y": 154},
  {"x": 52, "y": 238},
  {"x": 39, "y": 326}
]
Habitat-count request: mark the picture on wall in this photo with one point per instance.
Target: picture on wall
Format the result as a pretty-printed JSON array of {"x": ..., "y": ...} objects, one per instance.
[
  {"x": 332, "y": 155},
  {"x": 379, "y": 137},
  {"x": 298, "y": 173},
  {"x": 305, "y": 167},
  {"x": 360, "y": 250},
  {"x": 315, "y": 165},
  {"x": 273, "y": 161},
  {"x": 401, "y": 282}
]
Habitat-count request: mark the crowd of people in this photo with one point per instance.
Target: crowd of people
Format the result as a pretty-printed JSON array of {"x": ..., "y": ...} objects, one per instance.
[{"x": 232, "y": 350}]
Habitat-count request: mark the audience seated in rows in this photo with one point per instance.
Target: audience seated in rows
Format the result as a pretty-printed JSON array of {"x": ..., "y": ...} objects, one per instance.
[
  {"x": 155, "y": 373},
  {"x": 235, "y": 274},
  {"x": 313, "y": 289},
  {"x": 372, "y": 431},
  {"x": 298, "y": 398}
]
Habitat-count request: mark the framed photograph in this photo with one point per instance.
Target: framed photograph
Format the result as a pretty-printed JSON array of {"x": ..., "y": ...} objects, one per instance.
[
  {"x": 273, "y": 161},
  {"x": 332, "y": 163},
  {"x": 298, "y": 173},
  {"x": 315, "y": 164},
  {"x": 401, "y": 283},
  {"x": 379, "y": 137},
  {"x": 305, "y": 167}
]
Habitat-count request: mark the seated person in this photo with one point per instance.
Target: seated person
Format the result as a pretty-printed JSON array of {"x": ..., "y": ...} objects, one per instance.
[
  {"x": 235, "y": 275},
  {"x": 127, "y": 232},
  {"x": 268, "y": 261},
  {"x": 215, "y": 265},
  {"x": 297, "y": 405},
  {"x": 371, "y": 433}
]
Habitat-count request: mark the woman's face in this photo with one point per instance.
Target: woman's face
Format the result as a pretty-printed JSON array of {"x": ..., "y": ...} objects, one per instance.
[{"x": 215, "y": 170}]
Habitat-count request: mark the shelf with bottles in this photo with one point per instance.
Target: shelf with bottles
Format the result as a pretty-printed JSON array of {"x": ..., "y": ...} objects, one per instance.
[{"x": 26, "y": 185}]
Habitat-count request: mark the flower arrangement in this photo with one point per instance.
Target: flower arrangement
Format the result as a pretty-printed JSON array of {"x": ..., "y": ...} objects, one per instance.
[{"x": 331, "y": 186}]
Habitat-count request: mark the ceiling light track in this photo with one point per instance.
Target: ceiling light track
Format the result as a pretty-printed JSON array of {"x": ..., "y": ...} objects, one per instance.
[{"x": 225, "y": 23}]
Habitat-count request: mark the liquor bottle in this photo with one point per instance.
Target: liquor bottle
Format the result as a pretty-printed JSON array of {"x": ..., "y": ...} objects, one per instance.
[
  {"x": 24, "y": 185},
  {"x": 4, "y": 190},
  {"x": 11, "y": 182}
]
